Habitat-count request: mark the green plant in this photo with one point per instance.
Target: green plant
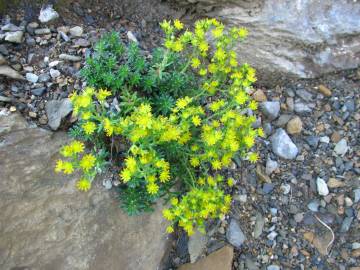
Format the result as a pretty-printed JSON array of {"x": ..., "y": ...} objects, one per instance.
[{"x": 183, "y": 115}]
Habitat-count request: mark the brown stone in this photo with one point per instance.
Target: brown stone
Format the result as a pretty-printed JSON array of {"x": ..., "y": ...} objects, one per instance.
[
  {"x": 260, "y": 173},
  {"x": 220, "y": 259},
  {"x": 294, "y": 126},
  {"x": 338, "y": 120},
  {"x": 355, "y": 268},
  {"x": 327, "y": 108},
  {"x": 259, "y": 95},
  {"x": 324, "y": 90},
  {"x": 335, "y": 137},
  {"x": 47, "y": 224},
  {"x": 355, "y": 253},
  {"x": 334, "y": 183},
  {"x": 309, "y": 236}
]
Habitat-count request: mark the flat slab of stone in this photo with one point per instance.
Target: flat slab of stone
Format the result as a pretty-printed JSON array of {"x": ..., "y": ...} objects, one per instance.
[
  {"x": 219, "y": 260},
  {"x": 46, "y": 224}
]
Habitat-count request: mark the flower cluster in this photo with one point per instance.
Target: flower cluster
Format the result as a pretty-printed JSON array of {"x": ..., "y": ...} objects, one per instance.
[
  {"x": 196, "y": 139},
  {"x": 77, "y": 160}
]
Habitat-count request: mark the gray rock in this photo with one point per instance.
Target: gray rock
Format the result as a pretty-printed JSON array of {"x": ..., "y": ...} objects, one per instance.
[
  {"x": 270, "y": 109},
  {"x": 259, "y": 225},
  {"x": 286, "y": 188},
  {"x": 197, "y": 245},
  {"x": 68, "y": 57},
  {"x": 82, "y": 42},
  {"x": 54, "y": 73},
  {"x": 345, "y": 226},
  {"x": 44, "y": 78},
  {"x": 132, "y": 37},
  {"x": 48, "y": 14},
  {"x": 273, "y": 267},
  {"x": 313, "y": 141},
  {"x": 272, "y": 236},
  {"x": 31, "y": 77},
  {"x": 11, "y": 28},
  {"x": 2, "y": 60},
  {"x": 282, "y": 145},
  {"x": 298, "y": 38},
  {"x": 305, "y": 95},
  {"x": 324, "y": 139},
  {"x": 64, "y": 36},
  {"x": 322, "y": 187},
  {"x": 76, "y": 31},
  {"x": 11, "y": 73},
  {"x": 60, "y": 227},
  {"x": 302, "y": 108},
  {"x": 271, "y": 166},
  {"x": 356, "y": 195},
  {"x": 341, "y": 147},
  {"x": 38, "y": 91},
  {"x": 314, "y": 205},
  {"x": 350, "y": 105},
  {"x": 56, "y": 110},
  {"x": 234, "y": 234},
  {"x": 268, "y": 188},
  {"x": 42, "y": 31},
  {"x": 14, "y": 37}
]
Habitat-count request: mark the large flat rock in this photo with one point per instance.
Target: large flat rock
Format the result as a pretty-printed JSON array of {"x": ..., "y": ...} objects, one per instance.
[
  {"x": 287, "y": 38},
  {"x": 45, "y": 223}
]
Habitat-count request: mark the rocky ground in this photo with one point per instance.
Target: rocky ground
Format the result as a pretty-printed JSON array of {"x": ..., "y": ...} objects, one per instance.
[{"x": 298, "y": 208}]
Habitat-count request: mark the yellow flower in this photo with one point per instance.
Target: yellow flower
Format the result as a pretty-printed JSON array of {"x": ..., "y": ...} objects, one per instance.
[
  {"x": 243, "y": 32},
  {"x": 166, "y": 27},
  {"x": 202, "y": 72},
  {"x": 131, "y": 164},
  {"x": 212, "y": 68},
  {"x": 181, "y": 103},
  {"x": 230, "y": 182},
  {"x": 77, "y": 147},
  {"x": 87, "y": 162},
  {"x": 86, "y": 115},
  {"x": 152, "y": 188},
  {"x": 196, "y": 120},
  {"x": 253, "y": 105},
  {"x": 203, "y": 46},
  {"x": 174, "y": 201},
  {"x": 164, "y": 176},
  {"x": 253, "y": 157},
  {"x": 177, "y": 46},
  {"x": 169, "y": 229},
  {"x": 195, "y": 62},
  {"x": 67, "y": 151},
  {"x": 249, "y": 141},
  {"x": 125, "y": 175},
  {"x": 168, "y": 215},
  {"x": 194, "y": 161},
  {"x": 151, "y": 179},
  {"x": 109, "y": 129},
  {"x": 59, "y": 166},
  {"x": 83, "y": 184},
  {"x": 68, "y": 167},
  {"x": 218, "y": 32},
  {"x": 83, "y": 101},
  {"x": 241, "y": 97},
  {"x": 260, "y": 132},
  {"x": 220, "y": 54},
  {"x": 103, "y": 94},
  {"x": 89, "y": 91},
  {"x": 168, "y": 44},
  {"x": 89, "y": 127},
  {"x": 216, "y": 164},
  {"x": 201, "y": 181},
  {"x": 178, "y": 25}
]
